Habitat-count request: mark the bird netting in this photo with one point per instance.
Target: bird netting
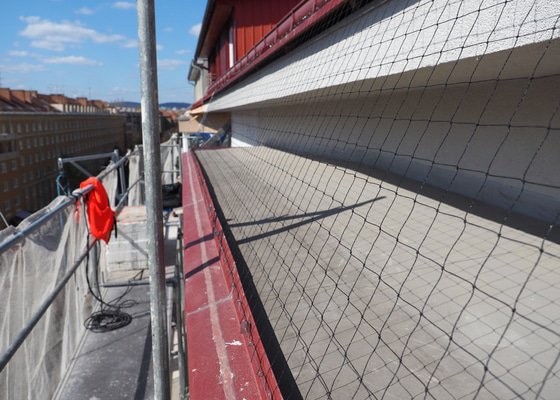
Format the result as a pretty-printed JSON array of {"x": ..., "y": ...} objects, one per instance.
[
  {"x": 33, "y": 267},
  {"x": 396, "y": 207}
]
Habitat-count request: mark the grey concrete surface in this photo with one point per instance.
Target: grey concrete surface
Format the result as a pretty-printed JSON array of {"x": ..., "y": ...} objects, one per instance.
[
  {"x": 116, "y": 364},
  {"x": 376, "y": 289}
]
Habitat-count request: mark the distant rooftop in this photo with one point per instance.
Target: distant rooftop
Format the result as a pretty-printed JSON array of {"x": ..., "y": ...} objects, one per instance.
[{"x": 32, "y": 101}]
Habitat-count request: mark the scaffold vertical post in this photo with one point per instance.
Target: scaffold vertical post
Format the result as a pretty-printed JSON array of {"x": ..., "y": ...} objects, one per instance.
[
  {"x": 152, "y": 178},
  {"x": 122, "y": 182}
]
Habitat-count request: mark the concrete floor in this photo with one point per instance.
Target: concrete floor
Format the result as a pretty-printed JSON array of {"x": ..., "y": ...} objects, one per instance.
[
  {"x": 118, "y": 364},
  {"x": 377, "y": 290}
]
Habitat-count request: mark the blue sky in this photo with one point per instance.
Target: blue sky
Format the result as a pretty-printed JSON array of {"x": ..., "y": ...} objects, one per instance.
[{"x": 89, "y": 48}]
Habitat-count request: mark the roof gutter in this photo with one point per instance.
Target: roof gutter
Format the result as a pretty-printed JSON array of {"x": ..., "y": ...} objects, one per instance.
[{"x": 195, "y": 67}]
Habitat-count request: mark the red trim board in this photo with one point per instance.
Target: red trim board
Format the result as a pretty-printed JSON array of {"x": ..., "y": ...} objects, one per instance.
[{"x": 226, "y": 358}]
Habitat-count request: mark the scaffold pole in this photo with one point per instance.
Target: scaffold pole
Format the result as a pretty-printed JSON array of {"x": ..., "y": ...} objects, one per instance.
[{"x": 152, "y": 163}]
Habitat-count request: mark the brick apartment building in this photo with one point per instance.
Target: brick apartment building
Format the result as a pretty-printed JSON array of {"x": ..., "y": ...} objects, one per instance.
[{"x": 36, "y": 129}]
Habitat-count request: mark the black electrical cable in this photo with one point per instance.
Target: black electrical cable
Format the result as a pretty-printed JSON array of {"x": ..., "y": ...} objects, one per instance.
[{"x": 110, "y": 316}]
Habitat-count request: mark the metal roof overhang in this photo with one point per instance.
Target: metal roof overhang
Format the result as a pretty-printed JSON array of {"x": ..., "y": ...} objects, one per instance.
[{"x": 214, "y": 20}]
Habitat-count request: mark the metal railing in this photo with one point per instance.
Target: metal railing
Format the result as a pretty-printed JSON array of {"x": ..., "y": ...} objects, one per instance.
[
  {"x": 74, "y": 161},
  {"x": 70, "y": 200},
  {"x": 19, "y": 235}
]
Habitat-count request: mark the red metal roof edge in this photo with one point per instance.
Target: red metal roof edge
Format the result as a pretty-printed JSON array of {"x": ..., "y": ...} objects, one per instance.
[
  {"x": 260, "y": 363},
  {"x": 204, "y": 26},
  {"x": 304, "y": 16}
]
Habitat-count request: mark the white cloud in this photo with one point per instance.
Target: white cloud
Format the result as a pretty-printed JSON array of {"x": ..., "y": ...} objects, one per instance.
[
  {"x": 55, "y": 36},
  {"x": 168, "y": 29},
  {"x": 130, "y": 44},
  {"x": 124, "y": 5},
  {"x": 133, "y": 43},
  {"x": 84, "y": 11},
  {"x": 170, "y": 63},
  {"x": 21, "y": 68},
  {"x": 182, "y": 52},
  {"x": 195, "y": 29},
  {"x": 19, "y": 53},
  {"x": 71, "y": 60}
]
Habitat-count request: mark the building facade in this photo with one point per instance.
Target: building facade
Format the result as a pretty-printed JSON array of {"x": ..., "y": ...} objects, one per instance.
[
  {"x": 351, "y": 59},
  {"x": 34, "y": 136},
  {"x": 394, "y": 192}
]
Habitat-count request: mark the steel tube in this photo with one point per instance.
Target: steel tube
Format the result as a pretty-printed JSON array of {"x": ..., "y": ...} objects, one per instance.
[
  {"x": 152, "y": 177},
  {"x": 168, "y": 281},
  {"x": 17, "y": 236},
  {"x": 81, "y": 169},
  {"x": 22, "y": 335},
  {"x": 114, "y": 166},
  {"x": 122, "y": 182},
  {"x": 181, "y": 336},
  {"x": 87, "y": 157}
]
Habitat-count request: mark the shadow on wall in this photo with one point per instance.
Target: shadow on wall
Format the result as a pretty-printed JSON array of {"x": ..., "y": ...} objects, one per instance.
[{"x": 493, "y": 141}]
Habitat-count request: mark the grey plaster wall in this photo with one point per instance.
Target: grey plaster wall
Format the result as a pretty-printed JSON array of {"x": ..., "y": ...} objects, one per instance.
[
  {"x": 461, "y": 95},
  {"x": 496, "y": 141}
]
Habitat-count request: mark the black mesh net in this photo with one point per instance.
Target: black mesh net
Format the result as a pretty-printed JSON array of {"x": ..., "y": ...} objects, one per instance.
[{"x": 395, "y": 209}]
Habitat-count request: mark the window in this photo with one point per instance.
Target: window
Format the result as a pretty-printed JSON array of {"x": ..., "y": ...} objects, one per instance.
[
  {"x": 4, "y": 168},
  {"x": 231, "y": 46}
]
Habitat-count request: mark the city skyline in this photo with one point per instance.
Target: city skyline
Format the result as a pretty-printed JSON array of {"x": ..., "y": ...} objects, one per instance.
[{"x": 89, "y": 48}]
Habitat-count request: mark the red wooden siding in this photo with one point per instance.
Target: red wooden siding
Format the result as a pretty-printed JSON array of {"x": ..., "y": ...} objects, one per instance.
[
  {"x": 254, "y": 19},
  {"x": 251, "y": 20}
]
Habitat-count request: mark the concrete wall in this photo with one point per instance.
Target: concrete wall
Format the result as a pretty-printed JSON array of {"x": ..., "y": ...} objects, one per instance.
[
  {"x": 494, "y": 141},
  {"x": 459, "y": 95}
]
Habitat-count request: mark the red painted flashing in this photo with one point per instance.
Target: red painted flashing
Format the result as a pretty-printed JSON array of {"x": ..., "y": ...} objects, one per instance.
[
  {"x": 226, "y": 358},
  {"x": 304, "y": 16}
]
